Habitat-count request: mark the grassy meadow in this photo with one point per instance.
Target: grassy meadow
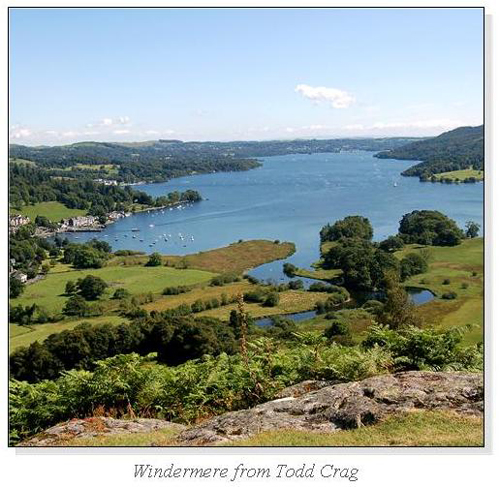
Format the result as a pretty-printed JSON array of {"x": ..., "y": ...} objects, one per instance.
[
  {"x": 422, "y": 428},
  {"x": 130, "y": 273},
  {"x": 53, "y": 210},
  {"x": 462, "y": 265},
  {"x": 461, "y": 175}
]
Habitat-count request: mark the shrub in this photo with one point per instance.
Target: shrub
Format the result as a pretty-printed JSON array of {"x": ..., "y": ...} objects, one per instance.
[
  {"x": 174, "y": 290},
  {"x": 91, "y": 287},
  {"x": 154, "y": 260},
  {"x": 296, "y": 284},
  {"x": 271, "y": 300},
  {"x": 121, "y": 293},
  {"x": 446, "y": 282},
  {"x": 464, "y": 285},
  {"x": 411, "y": 265},
  {"x": 449, "y": 295}
]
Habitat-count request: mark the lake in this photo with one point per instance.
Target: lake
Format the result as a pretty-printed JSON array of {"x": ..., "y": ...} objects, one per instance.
[{"x": 289, "y": 198}]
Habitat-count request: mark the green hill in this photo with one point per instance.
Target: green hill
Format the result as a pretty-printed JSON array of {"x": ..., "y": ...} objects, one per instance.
[{"x": 461, "y": 148}]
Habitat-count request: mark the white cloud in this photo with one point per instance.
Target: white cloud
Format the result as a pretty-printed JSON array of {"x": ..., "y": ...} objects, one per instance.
[
  {"x": 122, "y": 120},
  {"x": 152, "y": 132},
  {"x": 121, "y": 131},
  {"x": 335, "y": 97},
  {"x": 169, "y": 132},
  {"x": 17, "y": 132},
  {"x": 107, "y": 121},
  {"x": 354, "y": 126},
  {"x": 420, "y": 124}
]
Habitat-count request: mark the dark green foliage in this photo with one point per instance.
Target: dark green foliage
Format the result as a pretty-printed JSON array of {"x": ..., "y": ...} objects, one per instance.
[
  {"x": 363, "y": 265},
  {"x": 427, "y": 227},
  {"x": 174, "y": 290},
  {"x": 30, "y": 315},
  {"x": 224, "y": 279},
  {"x": 321, "y": 287},
  {"x": 76, "y": 306},
  {"x": 192, "y": 339},
  {"x": 350, "y": 227},
  {"x": 271, "y": 300},
  {"x": 412, "y": 264},
  {"x": 91, "y": 287},
  {"x": 398, "y": 311},
  {"x": 124, "y": 253},
  {"x": 121, "y": 293},
  {"x": 461, "y": 148},
  {"x": 85, "y": 256},
  {"x": 373, "y": 306},
  {"x": 334, "y": 300},
  {"x": 449, "y": 295},
  {"x": 392, "y": 243},
  {"x": 446, "y": 281},
  {"x": 175, "y": 339},
  {"x": 16, "y": 287},
  {"x": 472, "y": 229},
  {"x": 282, "y": 328},
  {"x": 289, "y": 269},
  {"x": 154, "y": 260},
  {"x": 252, "y": 279},
  {"x": 338, "y": 330},
  {"x": 296, "y": 284}
]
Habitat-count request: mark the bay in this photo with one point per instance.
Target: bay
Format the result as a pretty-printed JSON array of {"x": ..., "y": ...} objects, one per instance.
[{"x": 289, "y": 198}]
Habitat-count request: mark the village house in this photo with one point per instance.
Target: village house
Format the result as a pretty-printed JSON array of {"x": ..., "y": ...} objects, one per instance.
[
  {"x": 79, "y": 222},
  {"x": 21, "y": 276},
  {"x": 16, "y": 221}
]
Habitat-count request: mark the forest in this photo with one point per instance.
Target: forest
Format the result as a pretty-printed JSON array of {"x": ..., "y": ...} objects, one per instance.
[{"x": 461, "y": 148}]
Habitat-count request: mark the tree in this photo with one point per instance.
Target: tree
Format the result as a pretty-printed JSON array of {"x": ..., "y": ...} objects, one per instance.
[
  {"x": 411, "y": 265},
  {"x": 392, "y": 243},
  {"x": 363, "y": 265},
  {"x": 271, "y": 300},
  {"x": 472, "y": 229},
  {"x": 70, "y": 288},
  {"x": 428, "y": 227},
  {"x": 76, "y": 306},
  {"x": 121, "y": 293},
  {"x": 16, "y": 287},
  {"x": 350, "y": 227},
  {"x": 154, "y": 260},
  {"x": 398, "y": 310},
  {"x": 91, "y": 287}
]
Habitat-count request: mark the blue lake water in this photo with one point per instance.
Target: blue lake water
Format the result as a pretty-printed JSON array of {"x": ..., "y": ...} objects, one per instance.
[{"x": 289, "y": 198}]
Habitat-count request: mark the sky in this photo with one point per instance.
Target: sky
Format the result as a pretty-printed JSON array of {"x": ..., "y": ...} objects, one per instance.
[{"x": 241, "y": 74}]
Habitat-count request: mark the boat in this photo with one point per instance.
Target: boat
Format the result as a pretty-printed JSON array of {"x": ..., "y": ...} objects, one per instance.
[
  {"x": 395, "y": 184},
  {"x": 151, "y": 225},
  {"x": 135, "y": 230}
]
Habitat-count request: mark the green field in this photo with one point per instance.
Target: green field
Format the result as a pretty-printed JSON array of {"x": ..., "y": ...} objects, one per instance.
[
  {"x": 458, "y": 264},
  {"x": 53, "y": 210},
  {"x": 321, "y": 274},
  {"x": 461, "y": 175},
  {"x": 49, "y": 292}
]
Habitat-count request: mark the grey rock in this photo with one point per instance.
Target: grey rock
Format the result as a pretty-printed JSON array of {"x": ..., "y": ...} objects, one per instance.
[
  {"x": 97, "y": 426},
  {"x": 344, "y": 406}
]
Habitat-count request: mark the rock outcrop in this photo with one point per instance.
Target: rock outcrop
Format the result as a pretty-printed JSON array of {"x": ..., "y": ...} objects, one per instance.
[
  {"x": 344, "y": 406},
  {"x": 97, "y": 426}
]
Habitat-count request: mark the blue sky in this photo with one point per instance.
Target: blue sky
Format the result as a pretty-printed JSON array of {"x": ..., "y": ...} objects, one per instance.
[{"x": 229, "y": 74}]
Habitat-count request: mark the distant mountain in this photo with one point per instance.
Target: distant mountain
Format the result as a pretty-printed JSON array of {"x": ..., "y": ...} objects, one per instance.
[
  {"x": 460, "y": 148},
  {"x": 163, "y": 159}
]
